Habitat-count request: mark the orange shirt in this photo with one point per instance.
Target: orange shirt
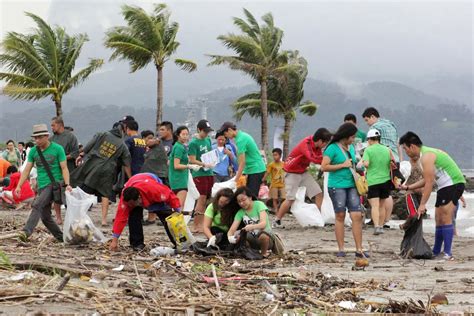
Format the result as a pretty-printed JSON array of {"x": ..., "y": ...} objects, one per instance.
[{"x": 3, "y": 167}]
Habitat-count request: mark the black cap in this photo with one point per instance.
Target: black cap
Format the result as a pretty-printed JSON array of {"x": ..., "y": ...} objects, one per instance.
[
  {"x": 204, "y": 125},
  {"x": 226, "y": 126},
  {"x": 127, "y": 118}
]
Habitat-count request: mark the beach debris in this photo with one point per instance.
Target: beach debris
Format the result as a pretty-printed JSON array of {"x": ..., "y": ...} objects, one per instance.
[
  {"x": 439, "y": 299},
  {"x": 347, "y": 305},
  {"x": 162, "y": 251},
  {"x": 21, "y": 276},
  {"x": 80, "y": 231},
  {"x": 119, "y": 268}
]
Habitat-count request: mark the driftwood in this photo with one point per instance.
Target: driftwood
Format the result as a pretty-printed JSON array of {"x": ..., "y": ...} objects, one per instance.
[{"x": 48, "y": 267}]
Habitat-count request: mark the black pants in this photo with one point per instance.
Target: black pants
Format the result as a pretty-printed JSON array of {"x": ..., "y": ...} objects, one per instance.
[
  {"x": 135, "y": 226},
  {"x": 254, "y": 181}
]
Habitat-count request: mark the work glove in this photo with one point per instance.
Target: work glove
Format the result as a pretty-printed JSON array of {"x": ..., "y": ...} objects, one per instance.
[
  {"x": 194, "y": 167},
  {"x": 212, "y": 241},
  {"x": 232, "y": 239}
]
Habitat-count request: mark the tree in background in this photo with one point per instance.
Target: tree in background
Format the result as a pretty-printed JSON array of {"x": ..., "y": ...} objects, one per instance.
[
  {"x": 257, "y": 54},
  {"x": 147, "y": 38},
  {"x": 285, "y": 95},
  {"x": 41, "y": 64}
]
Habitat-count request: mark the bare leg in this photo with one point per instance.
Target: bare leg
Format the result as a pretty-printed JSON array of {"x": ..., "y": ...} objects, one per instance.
[
  {"x": 275, "y": 204},
  {"x": 444, "y": 214},
  {"x": 382, "y": 211},
  {"x": 199, "y": 214},
  {"x": 182, "y": 197},
  {"x": 318, "y": 199},
  {"x": 264, "y": 240},
  {"x": 105, "y": 209},
  {"x": 375, "y": 212},
  {"x": 340, "y": 216},
  {"x": 388, "y": 206},
  {"x": 357, "y": 229},
  {"x": 284, "y": 208},
  {"x": 57, "y": 211}
]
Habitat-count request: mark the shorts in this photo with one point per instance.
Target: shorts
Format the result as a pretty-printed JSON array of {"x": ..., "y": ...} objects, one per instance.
[
  {"x": 255, "y": 243},
  {"x": 276, "y": 193},
  {"x": 176, "y": 191},
  {"x": 381, "y": 190},
  {"x": 343, "y": 199},
  {"x": 254, "y": 181},
  {"x": 204, "y": 185},
  {"x": 449, "y": 194},
  {"x": 295, "y": 180}
]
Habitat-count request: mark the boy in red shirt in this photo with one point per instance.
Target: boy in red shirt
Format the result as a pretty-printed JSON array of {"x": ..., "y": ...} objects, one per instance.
[
  {"x": 9, "y": 196},
  {"x": 309, "y": 150}
]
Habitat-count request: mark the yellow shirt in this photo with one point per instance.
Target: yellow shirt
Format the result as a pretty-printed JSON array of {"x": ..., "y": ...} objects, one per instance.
[{"x": 277, "y": 175}]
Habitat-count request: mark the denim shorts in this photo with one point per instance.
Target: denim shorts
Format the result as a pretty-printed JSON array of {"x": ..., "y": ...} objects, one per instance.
[{"x": 343, "y": 199}]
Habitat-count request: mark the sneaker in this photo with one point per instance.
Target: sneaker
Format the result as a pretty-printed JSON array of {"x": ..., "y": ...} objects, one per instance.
[
  {"x": 376, "y": 230},
  {"x": 341, "y": 254},
  {"x": 277, "y": 224},
  {"x": 448, "y": 257},
  {"x": 139, "y": 247}
]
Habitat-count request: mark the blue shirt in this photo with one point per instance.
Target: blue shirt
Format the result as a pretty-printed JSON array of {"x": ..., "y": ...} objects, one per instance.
[
  {"x": 137, "y": 148},
  {"x": 222, "y": 168}
]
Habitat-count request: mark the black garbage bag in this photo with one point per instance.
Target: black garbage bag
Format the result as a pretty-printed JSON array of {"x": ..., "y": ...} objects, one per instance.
[{"x": 413, "y": 245}]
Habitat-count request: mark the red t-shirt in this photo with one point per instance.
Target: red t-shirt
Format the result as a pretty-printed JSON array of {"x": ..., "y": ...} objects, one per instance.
[
  {"x": 151, "y": 192},
  {"x": 26, "y": 191},
  {"x": 302, "y": 155}
]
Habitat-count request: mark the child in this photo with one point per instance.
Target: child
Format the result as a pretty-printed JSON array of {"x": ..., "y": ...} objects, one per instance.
[
  {"x": 8, "y": 195},
  {"x": 277, "y": 178},
  {"x": 377, "y": 161}
]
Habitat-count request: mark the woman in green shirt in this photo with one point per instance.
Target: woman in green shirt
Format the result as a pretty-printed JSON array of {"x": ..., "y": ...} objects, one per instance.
[
  {"x": 338, "y": 158},
  {"x": 178, "y": 173},
  {"x": 254, "y": 215},
  {"x": 12, "y": 155},
  {"x": 218, "y": 218}
]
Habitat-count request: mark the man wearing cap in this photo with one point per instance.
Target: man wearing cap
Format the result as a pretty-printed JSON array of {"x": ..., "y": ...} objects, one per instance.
[
  {"x": 136, "y": 146},
  {"x": 55, "y": 157},
  {"x": 250, "y": 161},
  {"x": 204, "y": 177},
  {"x": 103, "y": 155},
  {"x": 377, "y": 161}
]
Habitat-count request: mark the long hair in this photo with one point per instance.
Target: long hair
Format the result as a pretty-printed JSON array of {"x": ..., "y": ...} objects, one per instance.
[
  {"x": 346, "y": 130},
  {"x": 177, "y": 132},
  {"x": 227, "y": 214},
  {"x": 233, "y": 207}
]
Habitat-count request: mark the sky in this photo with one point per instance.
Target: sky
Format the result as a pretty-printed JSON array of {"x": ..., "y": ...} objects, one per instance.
[{"x": 415, "y": 42}]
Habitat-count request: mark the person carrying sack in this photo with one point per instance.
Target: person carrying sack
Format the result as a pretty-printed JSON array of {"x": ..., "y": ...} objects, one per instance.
[{"x": 53, "y": 176}]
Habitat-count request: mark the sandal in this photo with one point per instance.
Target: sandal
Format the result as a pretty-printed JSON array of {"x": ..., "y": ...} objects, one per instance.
[
  {"x": 362, "y": 254},
  {"x": 341, "y": 254}
]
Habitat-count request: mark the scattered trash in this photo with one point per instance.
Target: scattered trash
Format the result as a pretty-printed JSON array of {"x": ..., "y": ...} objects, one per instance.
[
  {"x": 21, "y": 276},
  {"x": 119, "y": 268},
  {"x": 347, "y": 305},
  {"x": 162, "y": 251}
]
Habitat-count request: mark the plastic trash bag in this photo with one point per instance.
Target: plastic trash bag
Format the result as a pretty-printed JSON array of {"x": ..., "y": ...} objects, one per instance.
[
  {"x": 327, "y": 208},
  {"x": 263, "y": 192},
  {"x": 306, "y": 214},
  {"x": 405, "y": 169},
  {"x": 78, "y": 226},
  {"x": 413, "y": 245},
  {"x": 229, "y": 184},
  {"x": 181, "y": 233},
  {"x": 191, "y": 196}
]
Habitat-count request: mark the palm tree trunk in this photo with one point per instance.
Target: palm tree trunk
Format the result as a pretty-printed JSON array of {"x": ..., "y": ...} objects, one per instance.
[
  {"x": 286, "y": 136},
  {"x": 264, "y": 117},
  {"x": 59, "y": 108},
  {"x": 159, "y": 98}
]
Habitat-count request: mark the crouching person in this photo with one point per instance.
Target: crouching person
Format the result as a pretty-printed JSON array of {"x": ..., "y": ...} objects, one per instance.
[
  {"x": 8, "y": 193},
  {"x": 218, "y": 218},
  {"x": 143, "y": 190},
  {"x": 254, "y": 216}
]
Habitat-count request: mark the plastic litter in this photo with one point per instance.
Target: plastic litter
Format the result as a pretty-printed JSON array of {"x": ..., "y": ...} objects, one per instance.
[
  {"x": 162, "y": 251},
  {"x": 230, "y": 184},
  {"x": 306, "y": 214},
  {"x": 347, "y": 305}
]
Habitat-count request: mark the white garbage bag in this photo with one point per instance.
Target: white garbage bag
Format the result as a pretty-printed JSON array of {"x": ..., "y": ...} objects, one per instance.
[
  {"x": 405, "y": 169},
  {"x": 191, "y": 196},
  {"x": 78, "y": 226},
  {"x": 230, "y": 184},
  {"x": 306, "y": 214},
  {"x": 327, "y": 208}
]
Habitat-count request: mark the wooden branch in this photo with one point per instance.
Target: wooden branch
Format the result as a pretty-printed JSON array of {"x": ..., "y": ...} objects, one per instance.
[{"x": 49, "y": 268}]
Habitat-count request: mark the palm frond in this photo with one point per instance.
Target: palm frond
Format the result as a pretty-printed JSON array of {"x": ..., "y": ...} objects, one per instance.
[
  {"x": 308, "y": 108},
  {"x": 19, "y": 92},
  {"x": 187, "y": 65},
  {"x": 82, "y": 75}
]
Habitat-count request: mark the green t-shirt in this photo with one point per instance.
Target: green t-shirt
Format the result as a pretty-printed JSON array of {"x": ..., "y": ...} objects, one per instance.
[
  {"x": 253, "y": 216},
  {"x": 216, "y": 218},
  {"x": 53, "y": 155},
  {"x": 361, "y": 136},
  {"x": 378, "y": 170},
  {"x": 198, "y": 147},
  {"x": 342, "y": 178},
  {"x": 178, "y": 179},
  {"x": 447, "y": 171},
  {"x": 246, "y": 145}
]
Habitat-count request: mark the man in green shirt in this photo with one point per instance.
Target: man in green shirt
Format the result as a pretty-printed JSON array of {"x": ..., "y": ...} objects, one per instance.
[
  {"x": 55, "y": 157},
  {"x": 249, "y": 159},
  {"x": 361, "y": 136},
  {"x": 440, "y": 167},
  {"x": 377, "y": 161},
  {"x": 204, "y": 177}
]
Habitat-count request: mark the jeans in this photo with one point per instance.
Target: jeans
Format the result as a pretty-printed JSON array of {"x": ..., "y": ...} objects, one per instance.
[
  {"x": 135, "y": 226},
  {"x": 41, "y": 209},
  {"x": 345, "y": 198}
]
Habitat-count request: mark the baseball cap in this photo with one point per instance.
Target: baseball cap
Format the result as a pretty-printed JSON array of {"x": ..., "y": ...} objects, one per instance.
[
  {"x": 127, "y": 118},
  {"x": 226, "y": 126},
  {"x": 373, "y": 133},
  {"x": 204, "y": 125}
]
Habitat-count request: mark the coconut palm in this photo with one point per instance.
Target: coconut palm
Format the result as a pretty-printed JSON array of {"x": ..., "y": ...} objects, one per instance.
[
  {"x": 147, "y": 38},
  {"x": 285, "y": 95},
  {"x": 42, "y": 63},
  {"x": 257, "y": 54}
]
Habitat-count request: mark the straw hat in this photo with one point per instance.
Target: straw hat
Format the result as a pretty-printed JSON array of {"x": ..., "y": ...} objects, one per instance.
[{"x": 40, "y": 130}]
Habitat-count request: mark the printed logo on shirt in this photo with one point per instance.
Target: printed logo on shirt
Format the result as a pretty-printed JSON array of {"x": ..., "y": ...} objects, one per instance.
[
  {"x": 203, "y": 148},
  {"x": 107, "y": 149},
  {"x": 139, "y": 142}
]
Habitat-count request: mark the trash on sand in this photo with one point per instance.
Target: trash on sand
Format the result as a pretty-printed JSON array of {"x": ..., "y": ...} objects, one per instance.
[
  {"x": 119, "y": 268},
  {"x": 347, "y": 305},
  {"x": 162, "y": 251},
  {"x": 21, "y": 276}
]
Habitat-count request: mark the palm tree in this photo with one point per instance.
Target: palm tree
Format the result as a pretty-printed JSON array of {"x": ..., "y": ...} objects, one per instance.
[
  {"x": 285, "y": 95},
  {"x": 257, "y": 54},
  {"x": 147, "y": 38},
  {"x": 41, "y": 64}
]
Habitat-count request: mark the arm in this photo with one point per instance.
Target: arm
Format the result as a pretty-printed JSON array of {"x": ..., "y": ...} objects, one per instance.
[
  {"x": 207, "y": 226},
  {"x": 261, "y": 224},
  {"x": 327, "y": 167},
  {"x": 65, "y": 173},
  {"x": 241, "y": 162},
  {"x": 121, "y": 219},
  {"x": 177, "y": 164},
  {"x": 128, "y": 171},
  {"x": 74, "y": 149},
  {"x": 194, "y": 161},
  {"x": 233, "y": 228}
]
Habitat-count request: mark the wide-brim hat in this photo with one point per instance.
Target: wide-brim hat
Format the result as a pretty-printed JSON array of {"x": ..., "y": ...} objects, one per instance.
[{"x": 40, "y": 130}]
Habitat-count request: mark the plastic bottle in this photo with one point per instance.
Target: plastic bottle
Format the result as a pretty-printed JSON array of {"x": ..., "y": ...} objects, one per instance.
[{"x": 162, "y": 251}]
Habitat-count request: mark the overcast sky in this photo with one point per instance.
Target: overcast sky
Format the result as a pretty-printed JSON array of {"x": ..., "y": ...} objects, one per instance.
[{"x": 350, "y": 41}]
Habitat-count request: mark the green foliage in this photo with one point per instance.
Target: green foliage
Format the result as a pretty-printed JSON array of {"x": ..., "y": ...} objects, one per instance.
[
  {"x": 5, "y": 261},
  {"x": 41, "y": 64}
]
